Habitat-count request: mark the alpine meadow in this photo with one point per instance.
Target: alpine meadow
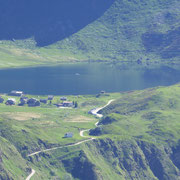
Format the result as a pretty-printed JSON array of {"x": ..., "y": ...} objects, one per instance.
[{"x": 90, "y": 90}]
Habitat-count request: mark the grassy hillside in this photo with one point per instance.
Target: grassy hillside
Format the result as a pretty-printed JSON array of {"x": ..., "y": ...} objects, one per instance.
[
  {"x": 12, "y": 165},
  {"x": 151, "y": 115},
  {"x": 140, "y": 134},
  {"x": 143, "y": 32},
  {"x": 24, "y": 130},
  {"x": 138, "y": 138},
  {"x": 147, "y": 31}
]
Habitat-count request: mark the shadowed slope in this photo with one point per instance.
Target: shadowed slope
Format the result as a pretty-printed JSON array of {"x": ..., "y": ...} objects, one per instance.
[{"x": 48, "y": 21}]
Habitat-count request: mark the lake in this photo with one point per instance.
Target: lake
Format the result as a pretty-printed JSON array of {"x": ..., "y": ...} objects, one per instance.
[{"x": 87, "y": 78}]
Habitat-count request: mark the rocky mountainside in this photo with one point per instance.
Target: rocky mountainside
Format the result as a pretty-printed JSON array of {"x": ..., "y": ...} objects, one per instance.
[{"x": 133, "y": 160}]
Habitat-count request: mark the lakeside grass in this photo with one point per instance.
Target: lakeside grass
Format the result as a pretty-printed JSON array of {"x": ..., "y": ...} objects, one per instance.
[
  {"x": 51, "y": 123},
  {"x": 151, "y": 115}
]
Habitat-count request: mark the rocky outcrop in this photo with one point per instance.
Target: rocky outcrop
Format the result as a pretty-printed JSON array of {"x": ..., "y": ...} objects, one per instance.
[
  {"x": 80, "y": 167},
  {"x": 175, "y": 156},
  {"x": 137, "y": 160}
]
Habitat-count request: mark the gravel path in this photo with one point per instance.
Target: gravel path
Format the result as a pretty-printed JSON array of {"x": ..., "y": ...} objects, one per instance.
[
  {"x": 31, "y": 175},
  {"x": 95, "y": 113}
]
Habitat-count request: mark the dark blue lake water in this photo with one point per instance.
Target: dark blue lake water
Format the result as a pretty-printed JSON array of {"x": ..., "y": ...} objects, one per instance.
[{"x": 84, "y": 79}]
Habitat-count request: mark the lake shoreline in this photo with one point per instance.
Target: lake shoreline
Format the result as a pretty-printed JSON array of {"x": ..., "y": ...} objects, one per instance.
[
  {"x": 86, "y": 78},
  {"x": 133, "y": 64}
]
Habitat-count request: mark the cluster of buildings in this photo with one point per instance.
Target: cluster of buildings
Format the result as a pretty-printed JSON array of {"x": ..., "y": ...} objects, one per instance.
[
  {"x": 33, "y": 102},
  {"x": 65, "y": 103}
]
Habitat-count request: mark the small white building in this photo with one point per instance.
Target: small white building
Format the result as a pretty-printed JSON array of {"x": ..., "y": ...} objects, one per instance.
[
  {"x": 68, "y": 135},
  {"x": 16, "y": 93}
]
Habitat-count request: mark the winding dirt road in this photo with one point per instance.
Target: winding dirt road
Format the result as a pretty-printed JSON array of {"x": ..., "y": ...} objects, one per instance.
[
  {"x": 31, "y": 175},
  {"x": 95, "y": 113},
  {"x": 81, "y": 133},
  {"x": 60, "y": 147}
]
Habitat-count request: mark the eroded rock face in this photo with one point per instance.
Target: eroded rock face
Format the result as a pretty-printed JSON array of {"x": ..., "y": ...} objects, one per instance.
[
  {"x": 167, "y": 44},
  {"x": 159, "y": 161},
  {"x": 138, "y": 160},
  {"x": 3, "y": 173},
  {"x": 80, "y": 167},
  {"x": 175, "y": 156}
]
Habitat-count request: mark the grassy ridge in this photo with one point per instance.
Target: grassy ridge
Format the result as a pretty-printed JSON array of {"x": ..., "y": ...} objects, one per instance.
[{"x": 151, "y": 115}]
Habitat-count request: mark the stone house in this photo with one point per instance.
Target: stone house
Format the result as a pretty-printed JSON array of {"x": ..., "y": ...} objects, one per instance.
[{"x": 10, "y": 102}]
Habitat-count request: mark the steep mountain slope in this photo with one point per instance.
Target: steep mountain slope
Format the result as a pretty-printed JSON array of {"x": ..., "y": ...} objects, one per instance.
[
  {"x": 47, "y": 21},
  {"x": 131, "y": 30},
  {"x": 144, "y": 126},
  {"x": 115, "y": 30},
  {"x": 12, "y": 165}
]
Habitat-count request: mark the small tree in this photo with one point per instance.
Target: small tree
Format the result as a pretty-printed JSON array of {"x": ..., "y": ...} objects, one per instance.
[{"x": 75, "y": 104}]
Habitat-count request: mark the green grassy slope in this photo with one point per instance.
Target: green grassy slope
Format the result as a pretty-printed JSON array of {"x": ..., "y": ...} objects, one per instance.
[
  {"x": 138, "y": 138},
  {"x": 151, "y": 115},
  {"x": 140, "y": 135},
  {"x": 24, "y": 130},
  {"x": 136, "y": 31},
  {"x": 12, "y": 165},
  {"x": 130, "y": 30}
]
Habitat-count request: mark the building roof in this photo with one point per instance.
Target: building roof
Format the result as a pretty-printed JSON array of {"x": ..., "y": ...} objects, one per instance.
[
  {"x": 17, "y": 92},
  {"x": 11, "y": 99},
  {"x": 62, "y": 98},
  {"x": 68, "y": 134},
  {"x": 33, "y": 99},
  {"x": 24, "y": 97},
  {"x": 67, "y": 102}
]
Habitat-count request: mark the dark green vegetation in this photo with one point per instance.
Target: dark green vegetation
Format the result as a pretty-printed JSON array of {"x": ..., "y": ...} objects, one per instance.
[
  {"x": 138, "y": 138},
  {"x": 137, "y": 31}
]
